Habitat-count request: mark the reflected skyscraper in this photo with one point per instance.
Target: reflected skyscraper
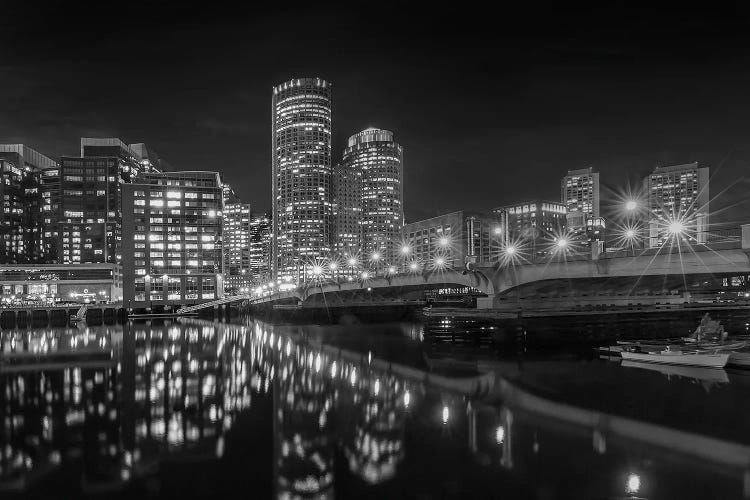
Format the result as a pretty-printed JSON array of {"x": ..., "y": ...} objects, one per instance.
[{"x": 301, "y": 177}]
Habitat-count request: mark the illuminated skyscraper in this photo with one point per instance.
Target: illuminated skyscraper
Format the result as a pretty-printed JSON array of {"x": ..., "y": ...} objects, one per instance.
[
  {"x": 580, "y": 195},
  {"x": 375, "y": 156},
  {"x": 301, "y": 177},
  {"x": 677, "y": 198}
]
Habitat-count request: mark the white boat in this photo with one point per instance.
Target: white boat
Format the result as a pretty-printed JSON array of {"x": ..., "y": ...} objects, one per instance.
[{"x": 678, "y": 357}]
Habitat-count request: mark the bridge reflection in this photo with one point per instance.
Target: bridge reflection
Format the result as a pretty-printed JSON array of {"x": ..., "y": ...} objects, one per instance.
[{"x": 180, "y": 389}]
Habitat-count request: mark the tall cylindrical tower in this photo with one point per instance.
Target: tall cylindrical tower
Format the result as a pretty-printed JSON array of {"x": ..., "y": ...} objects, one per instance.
[
  {"x": 375, "y": 154},
  {"x": 301, "y": 177}
]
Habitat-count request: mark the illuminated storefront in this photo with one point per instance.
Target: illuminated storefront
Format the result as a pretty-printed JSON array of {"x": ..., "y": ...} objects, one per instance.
[{"x": 49, "y": 283}]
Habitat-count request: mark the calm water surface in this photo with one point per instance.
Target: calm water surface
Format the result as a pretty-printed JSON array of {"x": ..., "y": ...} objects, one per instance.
[{"x": 203, "y": 409}]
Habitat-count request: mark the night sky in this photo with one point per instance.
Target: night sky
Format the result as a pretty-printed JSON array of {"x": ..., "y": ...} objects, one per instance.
[{"x": 492, "y": 107}]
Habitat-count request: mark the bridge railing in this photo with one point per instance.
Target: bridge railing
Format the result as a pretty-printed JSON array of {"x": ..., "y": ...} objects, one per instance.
[{"x": 213, "y": 303}]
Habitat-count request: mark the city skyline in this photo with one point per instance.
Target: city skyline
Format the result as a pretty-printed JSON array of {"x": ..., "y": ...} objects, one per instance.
[{"x": 588, "y": 93}]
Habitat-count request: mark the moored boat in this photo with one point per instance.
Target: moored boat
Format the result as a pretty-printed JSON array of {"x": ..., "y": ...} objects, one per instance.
[{"x": 678, "y": 357}]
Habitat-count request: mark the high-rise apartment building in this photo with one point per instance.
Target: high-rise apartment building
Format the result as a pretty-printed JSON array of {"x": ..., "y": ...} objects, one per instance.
[
  {"x": 374, "y": 161},
  {"x": 580, "y": 195},
  {"x": 301, "y": 176},
  {"x": 173, "y": 244},
  {"x": 260, "y": 248},
  {"x": 237, "y": 270},
  {"x": 678, "y": 199},
  {"x": 21, "y": 222}
]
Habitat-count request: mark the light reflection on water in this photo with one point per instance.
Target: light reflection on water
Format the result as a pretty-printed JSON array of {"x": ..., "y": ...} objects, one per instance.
[{"x": 114, "y": 404}]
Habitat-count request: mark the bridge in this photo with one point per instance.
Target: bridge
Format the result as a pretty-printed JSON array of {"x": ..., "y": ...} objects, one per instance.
[{"x": 498, "y": 281}]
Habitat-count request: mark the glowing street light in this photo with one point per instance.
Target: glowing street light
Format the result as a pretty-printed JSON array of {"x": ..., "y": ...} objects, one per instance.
[
  {"x": 630, "y": 234},
  {"x": 500, "y": 434},
  {"x": 446, "y": 415},
  {"x": 391, "y": 270},
  {"x": 365, "y": 275},
  {"x": 352, "y": 262},
  {"x": 439, "y": 262},
  {"x": 406, "y": 250},
  {"x": 498, "y": 230},
  {"x": 631, "y": 205},
  {"x": 443, "y": 241},
  {"x": 317, "y": 270},
  {"x": 676, "y": 227},
  {"x": 413, "y": 266},
  {"x": 634, "y": 484},
  {"x": 510, "y": 250},
  {"x": 562, "y": 243},
  {"x": 375, "y": 256}
]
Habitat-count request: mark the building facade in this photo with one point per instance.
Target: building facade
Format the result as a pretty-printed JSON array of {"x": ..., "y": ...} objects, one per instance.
[
  {"x": 237, "y": 270},
  {"x": 450, "y": 241},
  {"x": 302, "y": 205},
  {"x": 678, "y": 198},
  {"x": 375, "y": 160},
  {"x": 22, "y": 227},
  {"x": 50, "y": 283},
  {"x": 347, "y": 211},
  {"x": 580, "y": 195},
  {"x": 90, "y": 206},
  {"x": 260, "y": 249},
  {"x": 533, "y": 225},
  {"x": 173, "y": 243}
]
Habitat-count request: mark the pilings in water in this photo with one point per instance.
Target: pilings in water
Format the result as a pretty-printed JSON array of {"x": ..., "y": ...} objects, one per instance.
[{"x": 41, "y": 317}]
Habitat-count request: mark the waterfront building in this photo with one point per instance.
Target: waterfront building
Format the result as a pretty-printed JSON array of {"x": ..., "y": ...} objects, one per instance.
[
  {"x": 49, "y": 283},
  {"x": 375, "y": 162},
  {"x": 21, "y": 220},
  {"x": 260, "y": 248},
  {"x": 173, "y": 244},
  {"x": 302, "y": 205},
  {"x": 450, "y": 241},
  {"x": 237, "y": 269},
  {"x": 580, "y": 195},
  {"x": 678, "y": 199},
  {"x": 532, "y": 225}
]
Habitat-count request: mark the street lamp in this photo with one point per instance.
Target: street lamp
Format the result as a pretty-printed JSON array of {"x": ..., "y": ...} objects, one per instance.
[
  {"x": 443, "y": 241},
  {"x": 631, "y": 205},
  {"x": 405, "y": 250},
  {"x": 562, "y": 243},
  {"x": 510, "y": 250}
]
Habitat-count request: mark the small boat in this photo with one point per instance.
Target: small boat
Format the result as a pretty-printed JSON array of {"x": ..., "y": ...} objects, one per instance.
[{"x": 674, "y": 355}]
